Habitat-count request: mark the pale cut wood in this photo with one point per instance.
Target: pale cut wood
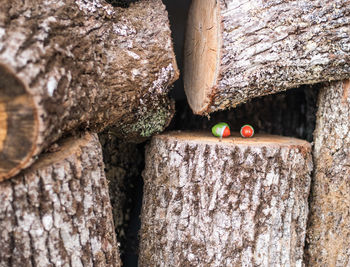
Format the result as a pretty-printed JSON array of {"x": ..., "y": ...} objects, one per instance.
[
  {"x": 3, "y": 123},
  {"x": 328, "y": 235},
  {"x": 238, "y": 202},
  {"x": 72, "y": 65},
  {"x": 58, "y": 212},
  {"x": 236, "y": 50}
]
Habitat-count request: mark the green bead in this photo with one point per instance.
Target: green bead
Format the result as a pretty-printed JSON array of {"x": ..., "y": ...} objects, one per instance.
[{"x": 218, "y": 129}]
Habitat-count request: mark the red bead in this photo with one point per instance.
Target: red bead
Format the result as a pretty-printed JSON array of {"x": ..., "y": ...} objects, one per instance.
[
  {"x": 247, "y": 131},
  {"x": 226, "y": 132}
]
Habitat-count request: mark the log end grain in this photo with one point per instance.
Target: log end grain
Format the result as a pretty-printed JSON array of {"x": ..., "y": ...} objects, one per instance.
[
  {"x": 81, "y": 66},
  {"x": 18, "y": 124},
  {"x": 201, "y": 137},
  {"x": 239, "y": 50},
  {"x": 202, "y": 50}
]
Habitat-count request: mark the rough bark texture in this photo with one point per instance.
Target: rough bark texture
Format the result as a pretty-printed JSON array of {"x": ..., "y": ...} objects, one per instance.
[
  {"x": 238, "y": 202},
  {"x": 238, "y": 49},
  {"x": 328, "y": 236},
  {"x": 58, "y": 213},
  {"x": 124, "y": 163},
  {"x": 81, "y": 64},
  {"x": 290, "y": 113}
]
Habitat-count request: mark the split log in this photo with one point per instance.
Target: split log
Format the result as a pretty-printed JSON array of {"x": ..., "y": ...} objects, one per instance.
[
  {"x": 77, "y": 64},
  {"x": 238, "y": 202},
  {"x": 57, "y": 213},
  {"x": 328, "y": 235},
  {"x": 238, "y": 50}
]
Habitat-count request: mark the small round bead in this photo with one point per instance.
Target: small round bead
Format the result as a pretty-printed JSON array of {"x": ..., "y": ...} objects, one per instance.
[
  {"x": 221, "y": 130},
  {"x": 247, "y": 131}
]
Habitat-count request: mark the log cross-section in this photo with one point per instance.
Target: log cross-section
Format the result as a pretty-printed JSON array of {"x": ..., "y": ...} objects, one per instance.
[
  {"x": 235, "y": 202},
  {"x": 67, "y": 65},
  {"x": 236, "y": 50},
  {"x": 58, "y": 212}
]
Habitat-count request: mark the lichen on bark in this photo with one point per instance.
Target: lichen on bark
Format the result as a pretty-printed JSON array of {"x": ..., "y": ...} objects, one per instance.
[{"x": 81, "y": 65}]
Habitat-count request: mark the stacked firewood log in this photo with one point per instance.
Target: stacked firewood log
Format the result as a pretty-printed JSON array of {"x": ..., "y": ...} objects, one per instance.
[
  {"x": 67, "y": 67},
  {"x": 72, "y": 69},
  {"x": 247, "y": 202}
]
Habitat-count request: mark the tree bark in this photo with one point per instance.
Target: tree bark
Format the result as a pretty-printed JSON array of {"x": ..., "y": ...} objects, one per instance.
[
  {"x": 238, "y": 50},
  {"x": 58, "y": 213},
  {"x": 75, "y": 65},
  {"x": 238, "y": 202},
  {"x": 328, "y": 236}
]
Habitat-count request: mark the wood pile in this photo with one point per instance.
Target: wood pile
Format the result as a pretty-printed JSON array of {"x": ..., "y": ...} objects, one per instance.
[{"x": 70, "y": 70}]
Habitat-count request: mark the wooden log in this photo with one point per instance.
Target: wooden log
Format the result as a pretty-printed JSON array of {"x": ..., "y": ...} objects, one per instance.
[
  {"x": 58, "y": 212},
  {"x": 238, "y": 50},
  {"x": 76, "y": 64},
  {"x": 328, "y": 235},
  {"x": 238, "y": 202}
]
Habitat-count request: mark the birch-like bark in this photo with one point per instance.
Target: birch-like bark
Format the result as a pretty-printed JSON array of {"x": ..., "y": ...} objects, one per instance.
[
  {"x": 328, "y": 236},
  {"x": 58, "y": 212},
  {"x": 240, "y": 49},
  {"x": 67, "y": 65},
  {"x": 235, "y": 202}
]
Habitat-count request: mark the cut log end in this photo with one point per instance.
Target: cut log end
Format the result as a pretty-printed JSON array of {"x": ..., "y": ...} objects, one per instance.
[
  {"x": 235, "y": 139},
  {"x": 233, "y": 52},
  {"x": 202, "y": 51},
  {"x": 18, "y": 124},
  {"x": 124, "y": 87}
]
